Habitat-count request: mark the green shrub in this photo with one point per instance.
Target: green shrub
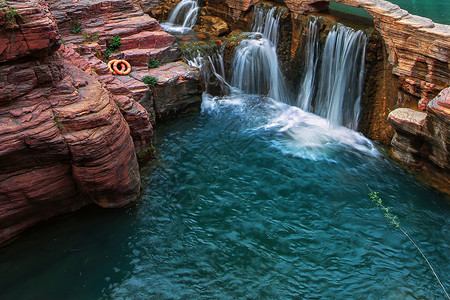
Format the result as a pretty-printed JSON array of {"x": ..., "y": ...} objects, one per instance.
[
  {"x": 115, "y": 43},
  {"x": 108, "y": 53},
  {"x": 76, "y": 26},
  {"x": 113, "y": 46},
  {"x": 150, "y": 80},
  {"x": 153, "y": 63},
  {"x": 90, "y": 37}
]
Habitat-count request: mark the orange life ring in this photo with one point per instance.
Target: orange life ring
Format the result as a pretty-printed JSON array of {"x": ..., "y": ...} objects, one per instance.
[
  {"x": 125, "y": 67},
  {"x": 110, "y": 67}
]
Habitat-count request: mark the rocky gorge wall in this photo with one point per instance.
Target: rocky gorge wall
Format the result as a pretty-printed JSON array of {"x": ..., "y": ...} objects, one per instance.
[
  {"x": 70, "y": 131},
  {"x": 421, "y": 141},
  {"x": 63, "y": 141}
]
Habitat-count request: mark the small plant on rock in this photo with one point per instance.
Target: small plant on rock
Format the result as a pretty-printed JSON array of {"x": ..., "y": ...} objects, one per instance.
[
  {"x": 90, "y": 37},
  {"x": 10, "y": 99},
  {"x": 11, "y": 14},
  {"x": 113, "y": 46},
  {"x": 150, "y": 80},
  {"x": 153, "y": 63},
  {"x": 115, "y": 43},
  {"x": 76, "y": 26}
]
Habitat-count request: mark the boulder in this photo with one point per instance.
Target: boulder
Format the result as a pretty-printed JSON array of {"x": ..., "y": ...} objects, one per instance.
[
  {"x": 178, "y": 90},
  {"x": 421, "y": 141},
  {"x": 213, "y": 25}
]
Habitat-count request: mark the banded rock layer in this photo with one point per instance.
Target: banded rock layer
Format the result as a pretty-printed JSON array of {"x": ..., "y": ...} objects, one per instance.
[{"x": 64, "y": 142}]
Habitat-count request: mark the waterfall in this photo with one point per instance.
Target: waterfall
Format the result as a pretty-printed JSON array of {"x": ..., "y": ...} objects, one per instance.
[
  {"x": 182, "y": 17},
  {"x": 211, "y": 66},
  {"x": 266, "y": 23},
  {"x": 255, "y": 62},
  {"x": 341, "y": 76},
  {"x": 255, "y": 68},
  {"x": 307, "y": 86}
]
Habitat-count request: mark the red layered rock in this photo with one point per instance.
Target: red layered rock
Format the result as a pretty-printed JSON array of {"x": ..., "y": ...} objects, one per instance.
[
  {"x": 142, "y": 36},
  {"x": 421, "y": 140},
  {"x": 136, "y": 116},
  {"x": 62, "y": 147},
  {"x": 178, "y": 90},
  {"x": 31, "y": 31},
  {"x": 64, "y": 143},
  {"x": 142, "y": 39}
]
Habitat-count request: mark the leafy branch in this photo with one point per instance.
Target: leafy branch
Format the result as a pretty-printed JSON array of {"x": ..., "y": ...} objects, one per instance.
[{"x": 393, "y": 219}]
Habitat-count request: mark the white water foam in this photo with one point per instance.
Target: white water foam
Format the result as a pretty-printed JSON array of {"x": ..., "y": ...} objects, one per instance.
[{"x": 295, "y": 132}]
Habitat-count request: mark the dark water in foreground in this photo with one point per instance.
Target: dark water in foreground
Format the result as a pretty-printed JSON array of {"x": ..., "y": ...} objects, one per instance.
[{"x": 249, "y": 199}]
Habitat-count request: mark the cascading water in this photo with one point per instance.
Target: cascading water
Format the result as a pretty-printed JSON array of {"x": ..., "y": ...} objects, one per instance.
[
  {"x": 266, "y": 23},
  {"x": 183, "y": 16},
  {"x": 211, "y": 66},
  {"x": 255, "y": 68},
  {"x": 255, "y": 61},
  {"x": 341, "y": 77},
  {"x": 306, "y": 93}
]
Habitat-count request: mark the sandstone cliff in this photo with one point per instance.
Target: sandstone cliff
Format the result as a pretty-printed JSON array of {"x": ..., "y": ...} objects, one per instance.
[
  {"x": 69, "y": 129},
  {"x": 142, "y": 40},
  {"x": 63, "y": 140}
]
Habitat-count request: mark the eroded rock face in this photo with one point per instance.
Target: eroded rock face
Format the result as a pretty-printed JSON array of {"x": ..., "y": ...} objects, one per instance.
[
  {"x": 237, "y": 13},
  {"x": 157, "y": 8},
  {"x": 21, "y": 36},
  {"x": 142, "y": 40},
  {"x": 421, "y": 141},
  {"x": 64, "y": 143}
]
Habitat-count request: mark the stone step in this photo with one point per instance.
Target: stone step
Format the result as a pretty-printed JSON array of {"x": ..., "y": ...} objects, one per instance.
[
  {"x": 141, "y": 57},
  {"x": 147, "y": 39}
]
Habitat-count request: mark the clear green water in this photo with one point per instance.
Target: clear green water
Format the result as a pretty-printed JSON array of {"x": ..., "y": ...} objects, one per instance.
[
  {"x": 436, "y": 10},
  {"x": 250, "y": 199}
]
